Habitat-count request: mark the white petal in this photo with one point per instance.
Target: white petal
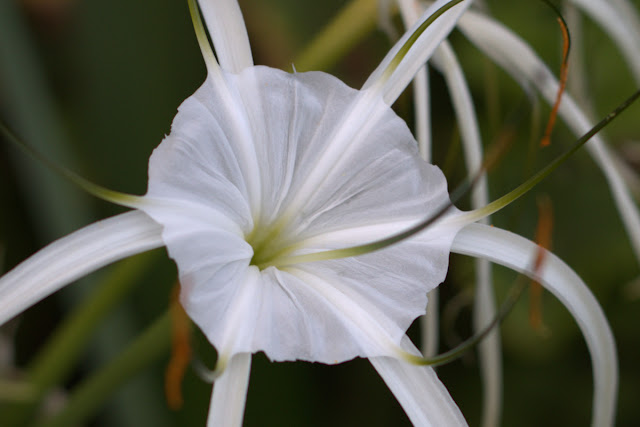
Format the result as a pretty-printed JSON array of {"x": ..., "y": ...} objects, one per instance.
[
  {"x": 209, "y": 155},
  {"x": 230, "y": 393},
  {"x": 518, "y": 253},
  {"x": 359, "y": 306},
  {"x": 518, "y": 59},
  {"x": 620, "y": 20},
  {"x": 213, "y": 259},
  {"x": 489, "y": 349},
  {"x": 337, "y": 167},
  {"x": 74, "y": 256},
  {"x": 228, "y": 33},
  {"x": 356, "y": 163},
  {"x": 336, "y": 321},
  {"x": 327, "y": 154},
  {"x": 227, "y": 312},
  {"x": 335, "y": 135},
  {"x": 392, "y": 86},
  {"x": 328, "y": 311},
  {"x": 421, "y": 95},
  {"x": 423, "y": 397}
]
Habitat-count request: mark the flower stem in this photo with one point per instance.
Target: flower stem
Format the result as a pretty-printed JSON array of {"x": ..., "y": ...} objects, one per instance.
[{"x": 90, "y": 394}]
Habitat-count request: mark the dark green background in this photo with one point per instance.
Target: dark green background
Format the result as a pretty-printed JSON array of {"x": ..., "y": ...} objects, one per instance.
[{"x": 95, "y": 85}]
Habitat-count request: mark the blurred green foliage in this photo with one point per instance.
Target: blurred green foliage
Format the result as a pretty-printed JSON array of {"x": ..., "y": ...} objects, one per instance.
[{"x": 96, "y": 84}]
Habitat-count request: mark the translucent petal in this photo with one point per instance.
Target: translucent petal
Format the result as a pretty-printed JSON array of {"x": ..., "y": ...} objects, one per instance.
[
  {"x": 341, "y": 146},
  {"x": 74, "y": 256},
  {"x": 518, "y": 253},
  {"x": 209, "y": 157},
  {"x": 413, "y": 267},
  {"x": 328, "y": 311},
  {"x": 422, "y": 396},
  {"x": 228, "y": 33},
  {"x": 336, "y": 168},
  {"x": 366, "y": 303},
  {"x": 327, "y": 154}
]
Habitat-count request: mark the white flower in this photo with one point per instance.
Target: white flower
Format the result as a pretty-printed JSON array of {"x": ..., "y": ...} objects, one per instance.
[
  {"x": 263, "y": 175},
  {"x": 294, "y": 164}
]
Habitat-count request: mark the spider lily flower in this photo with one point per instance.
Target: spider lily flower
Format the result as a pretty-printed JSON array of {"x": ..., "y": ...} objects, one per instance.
[{"x": 264, "y": 193}]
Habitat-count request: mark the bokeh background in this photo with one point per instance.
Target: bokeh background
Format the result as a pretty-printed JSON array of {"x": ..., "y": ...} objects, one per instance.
[{"x": 94, "y": 86}]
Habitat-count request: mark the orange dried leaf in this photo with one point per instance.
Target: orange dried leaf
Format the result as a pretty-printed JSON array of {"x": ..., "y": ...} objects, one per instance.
[
  {"x": 180, "y": 351},
  {"x": 543, "y": 238},
  {"x": 564, "y": 70}
]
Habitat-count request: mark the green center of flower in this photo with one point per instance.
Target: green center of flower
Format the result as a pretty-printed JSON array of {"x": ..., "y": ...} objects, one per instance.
[{"x": 269, "y": 245}]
